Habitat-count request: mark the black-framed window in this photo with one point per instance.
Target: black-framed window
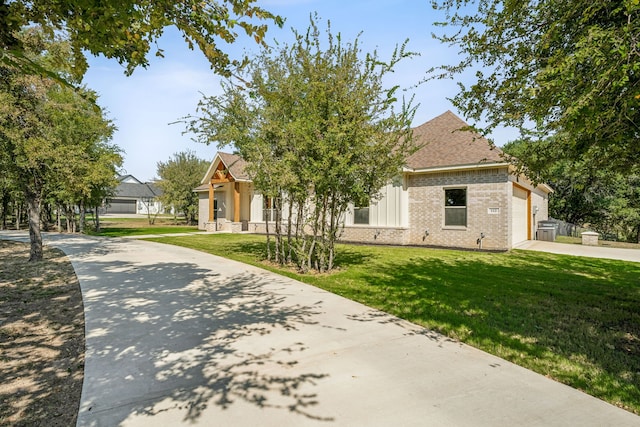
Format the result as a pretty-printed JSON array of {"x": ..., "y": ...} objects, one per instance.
[
  {"x": 361, "y": 215},
  {"x": 455, "y": 207}
]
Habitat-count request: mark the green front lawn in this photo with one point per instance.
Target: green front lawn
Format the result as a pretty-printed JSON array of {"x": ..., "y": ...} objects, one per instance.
[
  {"x": 573, "y": 319},
  {"x": 133, "y": 231},
  {"x": 118, "y": 227}
]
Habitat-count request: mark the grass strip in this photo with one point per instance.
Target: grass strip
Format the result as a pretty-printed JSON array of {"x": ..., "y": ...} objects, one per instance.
[{"x": 141, "y": 231}]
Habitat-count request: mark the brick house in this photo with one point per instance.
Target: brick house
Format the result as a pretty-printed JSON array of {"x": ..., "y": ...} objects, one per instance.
[{"x": 455, "y": 191}]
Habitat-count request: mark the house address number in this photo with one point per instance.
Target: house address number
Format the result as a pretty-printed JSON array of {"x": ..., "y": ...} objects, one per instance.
[{"x": 493, "y": 211}]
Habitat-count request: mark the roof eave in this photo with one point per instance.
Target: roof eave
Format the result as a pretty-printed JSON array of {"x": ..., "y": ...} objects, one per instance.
[
  {"x": 473, "y": 166},
  {"x": 544, "y": 187}
]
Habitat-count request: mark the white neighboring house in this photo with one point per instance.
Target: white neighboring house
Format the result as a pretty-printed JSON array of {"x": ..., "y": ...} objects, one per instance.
[
  {"x": 135, "y": 197},
  {"x": 456, "y": 191}
]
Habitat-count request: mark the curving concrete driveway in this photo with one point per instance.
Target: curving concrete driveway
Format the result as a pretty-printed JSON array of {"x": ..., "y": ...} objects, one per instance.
[
  {"x": 179, "y": 337},
  {"x": 632, "y": 255}
]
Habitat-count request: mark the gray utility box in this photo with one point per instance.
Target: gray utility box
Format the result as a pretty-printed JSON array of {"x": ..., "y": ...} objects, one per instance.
[{"x": 546, "y": 231}]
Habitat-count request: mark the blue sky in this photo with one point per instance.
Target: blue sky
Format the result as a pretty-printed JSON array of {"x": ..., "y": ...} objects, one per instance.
[{"x": 143, "y": 105}]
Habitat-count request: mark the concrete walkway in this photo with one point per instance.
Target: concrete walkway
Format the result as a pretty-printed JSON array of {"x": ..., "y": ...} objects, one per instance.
[
  {"x": 582, "y": 250},
  {"x": 179, "y": 337}
]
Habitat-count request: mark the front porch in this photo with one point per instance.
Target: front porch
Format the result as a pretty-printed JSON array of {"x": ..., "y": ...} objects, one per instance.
[{"x": 225, "y": 196}]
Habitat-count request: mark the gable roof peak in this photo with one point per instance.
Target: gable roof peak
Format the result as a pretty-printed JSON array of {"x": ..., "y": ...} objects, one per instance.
[
  {"x": 129, "y": 179},
  {"x": 232, "y": 162}
]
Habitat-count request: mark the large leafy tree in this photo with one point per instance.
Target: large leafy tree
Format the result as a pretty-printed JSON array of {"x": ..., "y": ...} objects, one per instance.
[
  {"x": 319, "y": 130},
  {"x": 50, "y": 133},
  {"x": 178, "y": 177},
  {"x": 584, "y": 194},
  {"x": 625, "y": 209},
  {"x": 581, "y": 191},
  {"x": 570, "y": 68},
  {"x": 82, "y": 132},
  {"x": 126, "y": 30}
]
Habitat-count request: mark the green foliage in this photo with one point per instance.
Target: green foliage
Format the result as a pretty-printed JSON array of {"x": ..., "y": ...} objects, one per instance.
[
  {"x": 584, "y": 193},
  {"x": 319, "y": 132},
  {"x": 178, "y": 177},
  {"x": 575, "y": 319},
  {"x": 570, "y": 68},
  {"x": 126, "y": 30},
  {"x": 53, "y": 138}
]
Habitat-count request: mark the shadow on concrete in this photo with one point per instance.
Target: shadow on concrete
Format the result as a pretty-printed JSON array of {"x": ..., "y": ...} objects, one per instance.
[
  {"x": 410, "y": 329},
  {"x": 165, "y": 336}
]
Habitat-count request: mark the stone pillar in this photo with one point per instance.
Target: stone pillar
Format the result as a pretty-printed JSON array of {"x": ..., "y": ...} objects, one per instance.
[{"x": 590, "y": 238}]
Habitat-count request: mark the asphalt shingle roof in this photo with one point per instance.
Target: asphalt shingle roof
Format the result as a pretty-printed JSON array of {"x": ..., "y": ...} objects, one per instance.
[
  {"x": 444, "y": 143},
  {"x": 236, "y": 166},
  {"x": 138, "y": 191}
]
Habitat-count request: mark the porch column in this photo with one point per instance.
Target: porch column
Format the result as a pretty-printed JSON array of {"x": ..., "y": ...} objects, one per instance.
[
  {"x": 236, "y": 202},
  {"x": 211, "y": 205}
]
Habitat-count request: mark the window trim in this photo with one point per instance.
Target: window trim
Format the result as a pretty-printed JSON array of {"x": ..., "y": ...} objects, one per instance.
[
  {"x": 362, "y": 208},
  {"x": 465, "y": 207}
]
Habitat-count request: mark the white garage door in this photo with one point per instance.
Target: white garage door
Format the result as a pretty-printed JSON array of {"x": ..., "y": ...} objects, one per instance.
[{"x": 519, "y": 220}]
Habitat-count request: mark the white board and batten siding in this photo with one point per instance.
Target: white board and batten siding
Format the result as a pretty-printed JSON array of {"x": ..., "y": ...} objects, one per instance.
[{"x": 390, "y": 209}]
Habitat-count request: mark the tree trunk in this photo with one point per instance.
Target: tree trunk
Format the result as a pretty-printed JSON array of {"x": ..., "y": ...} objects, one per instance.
[
  {"x": 266, "y": 227},
  {"x": 278, "y": 231},
  {"x": 45, "y": 216},
  {"x": 322, "y": 253},
  {"x": 33, "y": 203},
  {"x": 314, "y": 238},
  {"x": 83, "y": 217},
  {"x": 289, "y": 227},
  {"x": 97, "y": 219},
  {"x": 150, "y": 218},
  {"x": 69, "y": 216},
  {"x": 5, "y": 207},
  {"x": 300, "y": 238},
  {"x": 18, "y": 215}
]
